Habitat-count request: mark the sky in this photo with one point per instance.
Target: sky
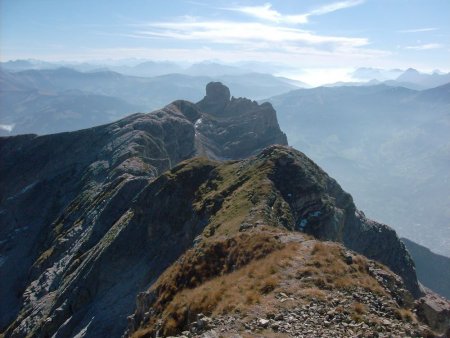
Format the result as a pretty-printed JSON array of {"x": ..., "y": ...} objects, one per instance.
[{"x": 320, "y": 36}]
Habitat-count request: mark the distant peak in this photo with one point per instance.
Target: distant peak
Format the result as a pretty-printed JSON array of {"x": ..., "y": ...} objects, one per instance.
[
  {"x": 412, "y": 70},
  {"x": 410, "y": 75}
]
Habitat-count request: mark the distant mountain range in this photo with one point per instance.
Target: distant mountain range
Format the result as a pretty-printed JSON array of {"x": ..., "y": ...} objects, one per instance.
[
  {"x": 53, "y": 100},
  {"x": 413, "y": 79},
  {"x": 31, "y": 104},
  {"x": 410, "y": 78},
  {"x": 388, "y": 146},
  {"x": 148, "y": 68}
]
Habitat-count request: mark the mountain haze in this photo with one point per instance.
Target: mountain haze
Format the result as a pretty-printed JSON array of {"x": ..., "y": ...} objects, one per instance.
[{"x": 387, "y": 145}]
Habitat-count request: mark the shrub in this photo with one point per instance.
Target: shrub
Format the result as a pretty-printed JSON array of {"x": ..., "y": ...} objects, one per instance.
[
  {"x": 359, "y": 308},
  {"x": 405, "y": 315}
]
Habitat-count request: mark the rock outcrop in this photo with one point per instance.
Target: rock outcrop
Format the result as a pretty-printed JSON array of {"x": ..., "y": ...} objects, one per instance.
[
  {"x": 320, "y": 207},
  {"x": 216, "y": 99},
  {"x": 237, "y": 127},
  {"x": 90, "y": 219}
]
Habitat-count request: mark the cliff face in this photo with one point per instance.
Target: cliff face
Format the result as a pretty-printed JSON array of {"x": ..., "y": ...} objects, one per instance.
[
  {"x": 91, "y": 218},
  {"x": 320, "y": 207},
  {"x": 61, "y": 193}
]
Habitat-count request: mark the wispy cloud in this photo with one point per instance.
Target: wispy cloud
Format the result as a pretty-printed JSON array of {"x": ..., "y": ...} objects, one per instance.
[
  {"x": 425, "y": 46},
  {"x": 232, "y": 32},
  {"x": 266, "y": 12},
  {"x": 418, "y": 30},
  {"x": 335, "y": 6},
  {"x": 272, "y": 34},
  {"x": 272, "y": 37}
]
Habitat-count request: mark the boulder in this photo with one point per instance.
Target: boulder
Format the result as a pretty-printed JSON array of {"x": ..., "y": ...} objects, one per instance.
[{"x": 434, "y": 311}]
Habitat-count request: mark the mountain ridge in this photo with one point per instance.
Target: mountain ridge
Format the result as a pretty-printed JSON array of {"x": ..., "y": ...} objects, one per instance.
[{"x": 108, "y": 218}]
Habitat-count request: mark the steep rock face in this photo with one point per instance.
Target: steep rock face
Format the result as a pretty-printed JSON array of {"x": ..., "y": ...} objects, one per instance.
[
  {"x": 216, "y": 99},
  {"x": 320, "y": 207},
  {"x": 61, "y": 198}
]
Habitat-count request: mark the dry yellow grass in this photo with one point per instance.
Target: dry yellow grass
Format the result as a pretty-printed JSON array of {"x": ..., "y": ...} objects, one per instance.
[
  {"x": 327, "y": 269},
  {"x": 219, "y": 276},
  {"x": 312, "y": 293},
  {"x": 235, "y": 291}
]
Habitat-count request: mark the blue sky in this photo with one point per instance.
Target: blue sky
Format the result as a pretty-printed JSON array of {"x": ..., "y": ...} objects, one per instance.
[{"x": 303, "y": 34}]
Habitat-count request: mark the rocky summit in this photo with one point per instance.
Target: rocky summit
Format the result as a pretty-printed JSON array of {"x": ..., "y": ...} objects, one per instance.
[
  {"x": 235, "y": 128},
  {"x": 194, "y": 220}
]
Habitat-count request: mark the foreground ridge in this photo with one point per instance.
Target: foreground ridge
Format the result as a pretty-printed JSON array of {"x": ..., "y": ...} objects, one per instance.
[{"x": 275, "y": 284}]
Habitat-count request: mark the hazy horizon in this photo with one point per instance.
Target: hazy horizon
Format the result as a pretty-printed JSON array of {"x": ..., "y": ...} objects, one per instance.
[
  {"x": 310, "y": 76},
  {"x": 311, "y": 40}
]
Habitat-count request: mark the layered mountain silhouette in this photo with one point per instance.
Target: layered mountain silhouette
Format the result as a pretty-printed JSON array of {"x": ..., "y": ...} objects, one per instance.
[
  {"x": 91, "y": 219},
  {"x": 47, "y": 101},
  {"x": 410, "y": 78}
]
